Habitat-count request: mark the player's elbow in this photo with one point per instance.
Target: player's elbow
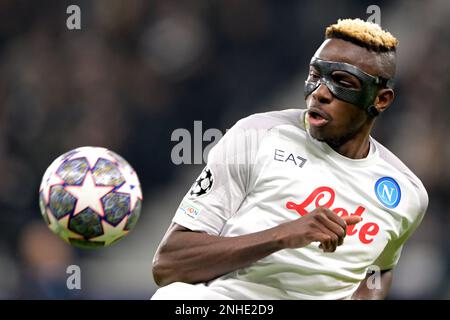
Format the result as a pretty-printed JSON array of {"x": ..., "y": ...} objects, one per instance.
[
  {"x": 167, "y": 270},
  {"x": 170, "y": 263},
  {"x": 162, "y": 272}
]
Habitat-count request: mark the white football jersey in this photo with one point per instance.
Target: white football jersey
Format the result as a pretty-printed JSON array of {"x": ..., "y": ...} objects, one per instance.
[{"x": 268, "y": 170}]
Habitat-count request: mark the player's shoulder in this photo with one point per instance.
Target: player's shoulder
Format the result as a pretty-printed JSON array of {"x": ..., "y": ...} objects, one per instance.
[
  {"x": 272, "y": 119},
  {"x": 247, "y": 135},
  {"x": 402, "y": 169}
]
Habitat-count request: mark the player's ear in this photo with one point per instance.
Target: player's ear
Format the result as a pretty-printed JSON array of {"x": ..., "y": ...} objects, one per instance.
[{"x": 384, "y": 99}]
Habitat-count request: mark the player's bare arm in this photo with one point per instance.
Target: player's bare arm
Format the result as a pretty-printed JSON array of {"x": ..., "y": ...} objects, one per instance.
[{"x": 182, "y": 251}]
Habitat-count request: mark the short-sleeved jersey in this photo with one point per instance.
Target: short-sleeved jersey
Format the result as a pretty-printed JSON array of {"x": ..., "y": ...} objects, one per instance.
[{"x": 268, "y": 170}]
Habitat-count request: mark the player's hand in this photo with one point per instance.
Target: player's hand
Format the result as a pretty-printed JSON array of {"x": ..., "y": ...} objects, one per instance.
[
  {"x": 321, "y": 225},
  {"x": 349, "y": 221}
]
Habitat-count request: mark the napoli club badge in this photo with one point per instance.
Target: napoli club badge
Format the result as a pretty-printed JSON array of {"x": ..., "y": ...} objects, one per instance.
[
  {"x": 388, "y": 192},
  {"x": 203, "y": 184}
]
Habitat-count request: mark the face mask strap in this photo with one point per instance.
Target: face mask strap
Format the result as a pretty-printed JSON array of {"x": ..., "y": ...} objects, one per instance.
[{"x": 372, "y": 111}]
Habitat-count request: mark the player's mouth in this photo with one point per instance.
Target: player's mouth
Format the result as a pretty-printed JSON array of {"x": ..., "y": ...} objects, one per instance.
[{"x": 317, "y": 117}]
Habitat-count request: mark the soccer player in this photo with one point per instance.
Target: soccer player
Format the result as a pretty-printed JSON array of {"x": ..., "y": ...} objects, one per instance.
[{"x": 300, "y": 204}]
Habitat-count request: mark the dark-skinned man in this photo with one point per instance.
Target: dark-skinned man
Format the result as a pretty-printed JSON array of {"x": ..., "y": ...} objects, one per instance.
[{"x": 301, "y": 204}]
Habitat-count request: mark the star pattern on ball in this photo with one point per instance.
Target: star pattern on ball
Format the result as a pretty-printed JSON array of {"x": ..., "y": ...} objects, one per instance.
[
  {"x": 51, "y": 180},
  {"x": 79, "y": 201},
  {"x": 111, "y": 233},
  {"x": 61, "y": 227},
  {"x": 132, "y": 187},
  {"x": 88, "y": 194},
  {"x": 92, "y": 155},
  {"x": 51, "y": 169}
]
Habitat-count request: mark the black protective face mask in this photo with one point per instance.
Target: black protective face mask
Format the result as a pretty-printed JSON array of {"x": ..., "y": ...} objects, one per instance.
[{"x": 363, "y": 97}]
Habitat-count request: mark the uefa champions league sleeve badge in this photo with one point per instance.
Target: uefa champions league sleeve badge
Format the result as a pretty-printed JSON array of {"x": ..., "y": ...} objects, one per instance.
[{"x": 202, "y": 185}]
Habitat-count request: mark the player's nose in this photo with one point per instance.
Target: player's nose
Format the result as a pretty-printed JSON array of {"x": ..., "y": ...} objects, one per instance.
[{"x": 322, "y": 94}]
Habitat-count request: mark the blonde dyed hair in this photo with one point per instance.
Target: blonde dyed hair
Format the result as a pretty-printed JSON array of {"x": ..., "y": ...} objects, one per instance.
[{"x": 366, "y": 34}]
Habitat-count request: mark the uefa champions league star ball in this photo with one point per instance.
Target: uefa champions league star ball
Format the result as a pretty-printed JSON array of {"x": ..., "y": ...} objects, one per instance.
[{"x": 90, "y": 197}]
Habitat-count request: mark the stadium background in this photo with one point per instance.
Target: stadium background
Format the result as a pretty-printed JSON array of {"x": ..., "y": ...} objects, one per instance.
[{"x": 138, "y": 70}]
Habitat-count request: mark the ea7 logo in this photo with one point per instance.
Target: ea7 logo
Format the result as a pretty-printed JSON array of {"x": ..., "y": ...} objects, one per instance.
[
  {"x": 283, "y": 156},
  {"x": 388, "y": 192}
]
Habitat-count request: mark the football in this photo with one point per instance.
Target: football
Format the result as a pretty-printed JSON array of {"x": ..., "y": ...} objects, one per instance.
[{"x": 90, "y": 197}]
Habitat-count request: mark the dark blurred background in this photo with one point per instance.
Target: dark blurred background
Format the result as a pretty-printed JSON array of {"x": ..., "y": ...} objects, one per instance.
[{"x": 138, "y": 70}]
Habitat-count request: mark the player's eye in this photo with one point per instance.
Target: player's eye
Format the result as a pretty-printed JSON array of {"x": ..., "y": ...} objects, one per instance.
[
  {"x": 313, "y": 75},
  {"x": 345, "y": 84},
  {"x": 344, "y": 81}
]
